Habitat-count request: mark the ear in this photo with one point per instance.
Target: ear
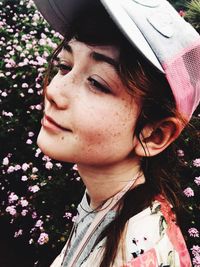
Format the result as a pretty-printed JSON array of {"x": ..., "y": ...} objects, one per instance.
[{"x": 155, "y": 138}]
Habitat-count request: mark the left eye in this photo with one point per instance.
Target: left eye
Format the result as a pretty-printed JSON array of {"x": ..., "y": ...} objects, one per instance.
[
  {"x": 98, "y": 86},
  {"x": 64, "y": 69}
]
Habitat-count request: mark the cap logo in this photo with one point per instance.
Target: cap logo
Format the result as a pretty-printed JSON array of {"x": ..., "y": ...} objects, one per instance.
[
  {"x": 162, "y": 22},
  {"x": 148, "y": 3}
]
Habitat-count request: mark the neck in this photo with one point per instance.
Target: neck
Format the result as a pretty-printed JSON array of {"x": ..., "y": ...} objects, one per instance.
[{"x": 104, "y": 182}]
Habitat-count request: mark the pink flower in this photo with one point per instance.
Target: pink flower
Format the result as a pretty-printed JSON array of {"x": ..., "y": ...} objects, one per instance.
[
  {"x": 11, "y": 210},
  {"x": 29, "y": 142},
  {"x": 24, "y": 202},
  {"x": 30, "y": 134},
  {"x": 44, "y": 238},
  {"x": 182, "y": 13},
  {"x": 41, "y": 60},
  {"x": 34, "y": 170},
  {"x": 10, "y": 169},
  {"x": 34, "y": 215},
  {"x": 7, "y": 114},
  {"x": 59, "y": 165},
  {"x": 75, "y": 167},
  {"x": 25, "y": 166},
  {"x": 24, "y": 85},
  {"x": 46, "y": 158},
  {"x": 180, "y": 153},
  {"x": 188, "y": 192},
  {"x": 49, "y": 165},
  {"x": 195, "y": 250},
  {"x": 24, "y": 212},
  {"x": 38, "y": 85},
  {"x": 196, "y": 261},
  {"x": 4, "y": 94},
  {"x": 38, "y": 151},
  {"x": 35, "y": 17},
  {"x": 196, "y": 253},
  {"x": 17, "y": 167},
  {"x": 193, "y": 232},
  {"x": 42, "y": 42},
  {"x": 34, "y": 188},
  {"x": 197, "y": 180},
  {"x": 18, "y": 233},
  {"x": 39, "y": 223},
  {"x": 18, "y": 48},
  {"x": 196, "y": 163},
  {"x": 67, "y": 215},
  {"x": 12, "y": 197},
  {"x": 10, "y": 63},
  {"x": 38, "y": 107}
]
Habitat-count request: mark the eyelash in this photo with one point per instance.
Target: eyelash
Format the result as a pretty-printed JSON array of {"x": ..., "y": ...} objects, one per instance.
[
  {"x": 95, "y": 84},
  {"x": 98, "y": 86},
  {"x": 62, "y": 68}
]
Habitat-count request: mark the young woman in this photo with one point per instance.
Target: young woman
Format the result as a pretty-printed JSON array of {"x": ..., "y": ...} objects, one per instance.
[{"x": 128, "y": 81}]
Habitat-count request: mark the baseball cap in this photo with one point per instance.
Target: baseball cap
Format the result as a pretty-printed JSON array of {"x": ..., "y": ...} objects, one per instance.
[{"x": 155, "y": 29}]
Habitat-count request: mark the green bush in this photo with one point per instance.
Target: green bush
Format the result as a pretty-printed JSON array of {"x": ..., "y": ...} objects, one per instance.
[{"x": 193, "y": 13}]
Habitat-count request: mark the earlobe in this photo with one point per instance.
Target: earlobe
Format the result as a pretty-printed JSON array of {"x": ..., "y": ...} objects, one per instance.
[{"x": 155, "y": 138}]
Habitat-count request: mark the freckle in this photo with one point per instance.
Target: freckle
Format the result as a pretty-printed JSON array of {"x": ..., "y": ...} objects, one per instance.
[{"x": 62, "y": 137}]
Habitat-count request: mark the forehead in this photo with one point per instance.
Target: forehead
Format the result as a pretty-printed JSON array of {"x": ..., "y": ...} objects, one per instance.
[{"x": 78, "y": 47}]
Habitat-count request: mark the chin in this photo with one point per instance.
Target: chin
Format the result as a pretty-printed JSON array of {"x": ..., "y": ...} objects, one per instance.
[
  {"x": 50, "y": 148},
  {"x": 45, "y": 145},
  {"x": 42, "y": 144}
]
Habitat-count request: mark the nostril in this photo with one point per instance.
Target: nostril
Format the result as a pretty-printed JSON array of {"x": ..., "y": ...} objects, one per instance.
[{"x": 55, "y": 97}]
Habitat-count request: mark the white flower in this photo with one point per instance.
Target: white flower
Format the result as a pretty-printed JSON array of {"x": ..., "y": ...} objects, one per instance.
[
  {"x": 18, "y": 233},
  {"x": 12, "y": 197},
  {"x": 24, "y": 178},
  {"x": 11, "y": 210},
  {"x": 29, "y": 141},
  {"x": 24, "y": 202},
  {"x": 49, "y": 165},
  {"x": 25, "y": 166},
  {"x": 44, "y": 238},
  {"x": 34, "y": 170},
  {"x": 10, "y": 169},
  {"x": 39, "y": 223},
  {"x": 5, "y": 161},
  {"x": 34, "y": 188}
]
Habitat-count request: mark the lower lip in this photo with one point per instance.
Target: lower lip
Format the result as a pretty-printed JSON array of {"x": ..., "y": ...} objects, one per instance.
[{"x": 51, "y": 126}]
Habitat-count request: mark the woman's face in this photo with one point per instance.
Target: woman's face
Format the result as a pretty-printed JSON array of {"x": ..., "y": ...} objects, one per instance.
[{"x": 89, "y": 117}]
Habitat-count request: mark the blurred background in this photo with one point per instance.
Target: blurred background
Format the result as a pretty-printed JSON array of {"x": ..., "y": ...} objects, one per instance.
[{"x": 38, "y": 196}]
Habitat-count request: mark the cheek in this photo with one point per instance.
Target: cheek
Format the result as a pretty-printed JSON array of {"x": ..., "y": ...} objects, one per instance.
[{"x": 105, "y": 127}]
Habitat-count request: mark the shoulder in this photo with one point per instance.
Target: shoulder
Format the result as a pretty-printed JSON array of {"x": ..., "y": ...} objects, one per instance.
[
  {"x": 145, "y": 230},
  {"x": 154, "y": 232}
]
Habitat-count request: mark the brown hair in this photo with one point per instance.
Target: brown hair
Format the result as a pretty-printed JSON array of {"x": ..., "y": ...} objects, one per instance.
[{"x": 143, "y": 81}]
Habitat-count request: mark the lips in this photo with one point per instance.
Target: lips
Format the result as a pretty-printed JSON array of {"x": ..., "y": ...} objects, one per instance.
[{"x": 49, "y": 123}]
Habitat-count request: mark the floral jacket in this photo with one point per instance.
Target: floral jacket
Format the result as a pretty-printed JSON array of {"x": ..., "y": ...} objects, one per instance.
[{"x": 151, "y": 239}]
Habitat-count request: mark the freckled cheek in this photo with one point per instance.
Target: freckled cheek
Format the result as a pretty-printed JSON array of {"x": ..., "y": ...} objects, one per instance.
[{"x": 104, "y": 132}]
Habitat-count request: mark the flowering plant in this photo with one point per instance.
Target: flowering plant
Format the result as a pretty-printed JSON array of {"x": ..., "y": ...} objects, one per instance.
[{"x": 39, "y": 195}]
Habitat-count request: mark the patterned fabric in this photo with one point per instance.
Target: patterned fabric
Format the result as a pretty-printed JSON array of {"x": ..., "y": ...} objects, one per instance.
[
  {"x": 151, "y": 239},
  {"x": 84, "y": 219}
]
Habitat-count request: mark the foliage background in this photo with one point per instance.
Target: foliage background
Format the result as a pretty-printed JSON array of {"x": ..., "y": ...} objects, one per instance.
[{"x": 38, "y": 196}]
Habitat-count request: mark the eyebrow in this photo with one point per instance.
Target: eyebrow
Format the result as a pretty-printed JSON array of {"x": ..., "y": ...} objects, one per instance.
[{"x": 98, "y": 57}]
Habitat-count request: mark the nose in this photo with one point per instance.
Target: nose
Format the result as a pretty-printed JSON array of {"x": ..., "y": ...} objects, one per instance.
[{"x": 59, "y": 91}]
